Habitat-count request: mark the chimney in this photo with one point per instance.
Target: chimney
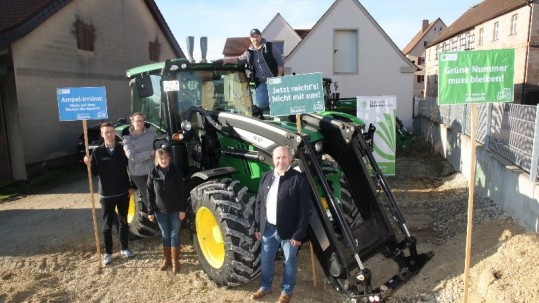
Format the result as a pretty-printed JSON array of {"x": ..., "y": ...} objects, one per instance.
[{"x": 424, "y": 25}]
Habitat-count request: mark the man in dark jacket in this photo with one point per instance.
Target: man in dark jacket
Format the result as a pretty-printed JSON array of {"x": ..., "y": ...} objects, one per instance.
[
  {"x": 281, "y": 216},
  {"x": 110, "y": 164},
  {"x": 265, "y": 60}
]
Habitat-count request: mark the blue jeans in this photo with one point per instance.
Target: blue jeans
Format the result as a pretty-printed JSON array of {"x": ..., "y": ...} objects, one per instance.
[
  {"x": 170, "y": 225},
  {"x": 270, "y": 246},
  {"x": 261, "y": 94}
]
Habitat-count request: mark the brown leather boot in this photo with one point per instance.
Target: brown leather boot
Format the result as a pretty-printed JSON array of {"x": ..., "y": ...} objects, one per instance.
[
  {"x": 166, "y": 261},
  {"x": 175, "y": 257}
]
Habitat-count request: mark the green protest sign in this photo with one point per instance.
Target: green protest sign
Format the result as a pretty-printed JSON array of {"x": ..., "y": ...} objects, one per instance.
[
  {"x": 481, "y": 76},
  {"x": 297, "y": 94}
]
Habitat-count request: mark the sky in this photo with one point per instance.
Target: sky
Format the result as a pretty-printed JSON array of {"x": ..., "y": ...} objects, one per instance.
[{"x": 218, "y": 19}]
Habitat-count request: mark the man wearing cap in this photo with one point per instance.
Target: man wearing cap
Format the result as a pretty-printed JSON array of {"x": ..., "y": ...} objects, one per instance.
[{"x": 266, "y": 61}]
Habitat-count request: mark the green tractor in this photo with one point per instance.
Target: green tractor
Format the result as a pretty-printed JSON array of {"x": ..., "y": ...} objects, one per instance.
[{"x": 223, "y": 144}]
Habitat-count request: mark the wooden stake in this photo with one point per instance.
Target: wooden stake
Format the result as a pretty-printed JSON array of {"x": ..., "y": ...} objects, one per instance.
[
  {"x": 470, "y": 202},
  {"x": 313, "y": 268},
  {"x": 91, "y": 184}
]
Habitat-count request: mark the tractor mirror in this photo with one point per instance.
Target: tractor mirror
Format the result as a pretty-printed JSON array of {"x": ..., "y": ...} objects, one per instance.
[{"x": 144, "y": 86}]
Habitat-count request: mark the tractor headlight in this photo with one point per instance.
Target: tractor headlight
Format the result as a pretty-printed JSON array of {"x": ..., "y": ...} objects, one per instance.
[
  {"x": 318, "y": 146},
  {"x": 186, "y": 125}
]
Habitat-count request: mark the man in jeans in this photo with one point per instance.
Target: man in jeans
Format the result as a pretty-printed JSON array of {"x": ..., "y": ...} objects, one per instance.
[
  {"x": 110, "y": 164},
  {"x": 281, "y": 217}
]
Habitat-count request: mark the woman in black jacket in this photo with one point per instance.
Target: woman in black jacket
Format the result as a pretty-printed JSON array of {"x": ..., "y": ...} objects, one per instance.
[{"x": 167, "y": 195}]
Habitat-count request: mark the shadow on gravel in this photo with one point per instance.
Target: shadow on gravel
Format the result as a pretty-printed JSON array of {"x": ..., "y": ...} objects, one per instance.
[{"x": 26, "y": 232}]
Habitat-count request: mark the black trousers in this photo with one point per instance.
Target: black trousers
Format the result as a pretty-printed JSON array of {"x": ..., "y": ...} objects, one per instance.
[
  {"x": 141, "y": 184},
  {"x": 109, "y": 206}
]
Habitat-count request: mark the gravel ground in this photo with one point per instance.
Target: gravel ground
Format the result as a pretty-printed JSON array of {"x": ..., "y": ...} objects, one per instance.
[{"x": 49, "y": 254}]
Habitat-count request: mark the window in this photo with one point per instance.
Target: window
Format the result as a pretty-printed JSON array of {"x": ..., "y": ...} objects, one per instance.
[
  {"x": 420, "y": 79},
  {"x": 514, "y": 19},
  {"x": 280, "y": 46},
  {"x": 481, "y": 36},
  {"x": 419, "y": 61},
  {"x": 345, "y": 51},
  {"x": 154, "y": 50},
  {"x": 495, "y": 31},
  {"x": 425, "y": 43},
  {"x": 85, "y": 36}
]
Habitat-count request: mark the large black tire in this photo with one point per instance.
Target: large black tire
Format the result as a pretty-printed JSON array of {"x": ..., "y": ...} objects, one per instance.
[
  {"x": 137, "y": 217},
  {"x": 350, "y": 210},
  {"x": 223, "y": 233}
]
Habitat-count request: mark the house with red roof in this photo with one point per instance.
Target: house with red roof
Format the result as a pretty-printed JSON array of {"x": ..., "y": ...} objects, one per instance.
[
  {"x": 494, "y": 24},
  {"x": 415, "y": 51}
]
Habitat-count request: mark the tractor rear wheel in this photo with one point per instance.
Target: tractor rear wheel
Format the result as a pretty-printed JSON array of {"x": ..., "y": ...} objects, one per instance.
[
  {"x": 137, "y": 217},
  {"x": 223, "y": 234}
]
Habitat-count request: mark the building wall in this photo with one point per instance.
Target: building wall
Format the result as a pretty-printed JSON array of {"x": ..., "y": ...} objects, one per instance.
[
  {"x": 509, "y": 187},
  {"x": 279, "y": 30},
  {"x": 48, "y": 58},
  {"x": 418, "y": 51},
  {"x": 517, "y": 41},
  {"x": 380, "y": 62}
]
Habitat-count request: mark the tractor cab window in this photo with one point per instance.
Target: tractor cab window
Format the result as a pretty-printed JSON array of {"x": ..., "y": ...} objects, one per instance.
[
  {"x": 147, "y": 99},
  {"x": 190, "y": 93},
  {"x": 226, "y": 91}
]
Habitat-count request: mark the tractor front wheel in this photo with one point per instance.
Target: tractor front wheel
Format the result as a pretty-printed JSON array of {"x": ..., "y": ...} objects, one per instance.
[
  {"x": 137, "y": 217},
  {"x": 223, "y": 234}
]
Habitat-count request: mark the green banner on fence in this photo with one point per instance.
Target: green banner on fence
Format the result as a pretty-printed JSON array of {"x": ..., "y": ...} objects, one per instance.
[{"x": 481, "y": 76}]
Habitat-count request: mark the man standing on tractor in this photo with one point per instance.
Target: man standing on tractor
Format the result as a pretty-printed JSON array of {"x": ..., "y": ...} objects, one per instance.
[
  {"x": 265, "y": 60},
  {"x": 281, "y": 218}
]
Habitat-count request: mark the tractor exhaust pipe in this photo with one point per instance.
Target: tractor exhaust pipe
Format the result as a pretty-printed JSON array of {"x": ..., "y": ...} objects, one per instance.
[
  {"x": 203, "y": 49},
  {"x": 190, "y": 45}
]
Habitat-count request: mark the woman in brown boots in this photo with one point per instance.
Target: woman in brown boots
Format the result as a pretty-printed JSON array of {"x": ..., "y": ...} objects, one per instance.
[{"x": 167, "y": 195}]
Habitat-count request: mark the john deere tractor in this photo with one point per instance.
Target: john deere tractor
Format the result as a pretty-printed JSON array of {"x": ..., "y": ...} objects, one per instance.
[{"x": 223, "y": 144}]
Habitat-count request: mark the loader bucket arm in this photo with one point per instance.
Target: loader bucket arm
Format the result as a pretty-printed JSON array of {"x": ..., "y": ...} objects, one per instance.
[{"x": 346, "y": 143}]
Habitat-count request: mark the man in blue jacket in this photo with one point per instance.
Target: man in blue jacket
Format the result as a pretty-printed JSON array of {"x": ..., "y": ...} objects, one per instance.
[{"x": 281, "y": 216}]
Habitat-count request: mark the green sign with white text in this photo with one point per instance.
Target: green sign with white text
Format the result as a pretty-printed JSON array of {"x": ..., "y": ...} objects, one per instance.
[
  {"x": 296, "y": 94},
  {"x": 481, "y": 76}
]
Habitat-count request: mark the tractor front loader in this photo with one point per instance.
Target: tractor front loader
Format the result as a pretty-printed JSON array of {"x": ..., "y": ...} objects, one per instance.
[{"x": 223, "y": 146}]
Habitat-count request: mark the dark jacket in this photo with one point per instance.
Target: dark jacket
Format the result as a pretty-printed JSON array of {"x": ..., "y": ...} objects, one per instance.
[
  {"x": 112, "y": 171},
  {"x": 293, "y": 204},
  {"x": 267, "y": 53},
  {"x": 168, "y": 194}
]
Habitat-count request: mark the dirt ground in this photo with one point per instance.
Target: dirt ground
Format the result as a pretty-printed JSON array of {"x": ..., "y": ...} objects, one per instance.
[{"x": 48, "y": 251}]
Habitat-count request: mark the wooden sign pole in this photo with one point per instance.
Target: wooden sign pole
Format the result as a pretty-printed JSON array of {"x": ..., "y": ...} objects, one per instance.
[
  {"x": 91, "y": 183},
  {"x": 470, "y": 201}
]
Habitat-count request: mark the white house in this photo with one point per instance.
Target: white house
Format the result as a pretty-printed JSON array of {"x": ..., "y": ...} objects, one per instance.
[
  {"x": 281, "y": 34},
  {"x": 415, "y": 51},
  {"x": 349, "y": 46}
]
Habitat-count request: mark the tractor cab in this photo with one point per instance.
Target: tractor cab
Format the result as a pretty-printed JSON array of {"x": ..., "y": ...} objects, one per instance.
[{"x": 226, "y": 89}]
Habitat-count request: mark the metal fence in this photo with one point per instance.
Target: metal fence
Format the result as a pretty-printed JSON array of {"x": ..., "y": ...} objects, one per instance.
[{"x": 509, "y": 130}]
